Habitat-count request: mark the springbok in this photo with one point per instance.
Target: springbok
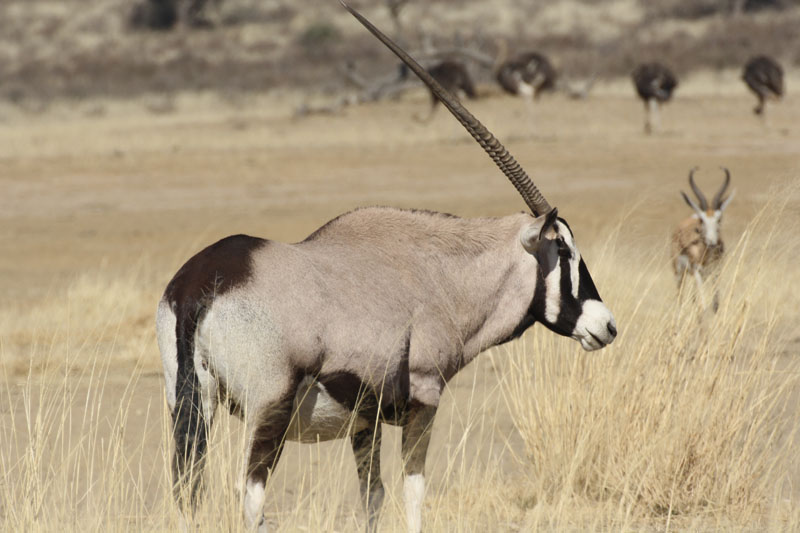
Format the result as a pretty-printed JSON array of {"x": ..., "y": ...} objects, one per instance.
[
  {"x": 363, "y": 322},
  {"x": 697, "y": 244},
  {"x": 654, "y": 83},
  {"x": 764, "y": 76}
]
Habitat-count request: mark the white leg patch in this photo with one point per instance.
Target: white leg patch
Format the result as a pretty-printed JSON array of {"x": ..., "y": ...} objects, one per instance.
[
  {"x": 414, "y": 493},
  {"x": 253, "y": 503}
]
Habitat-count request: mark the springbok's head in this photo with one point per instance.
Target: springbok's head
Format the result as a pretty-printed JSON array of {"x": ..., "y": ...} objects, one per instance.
[
  {"x": 565, "y": 299},
  {"x": 709, "y": 216}
]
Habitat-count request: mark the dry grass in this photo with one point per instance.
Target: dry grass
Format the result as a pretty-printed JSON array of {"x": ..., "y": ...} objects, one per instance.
[
  {"x": 684, "y": 423},
  {"x": 100, "y": 317}
]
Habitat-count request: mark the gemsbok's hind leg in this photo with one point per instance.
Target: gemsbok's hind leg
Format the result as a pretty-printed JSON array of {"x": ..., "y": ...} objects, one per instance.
[
  {"x": 367, "y": 450},
  {"x": 416, "y": 437},
  {"x": 267, "y": 436}
]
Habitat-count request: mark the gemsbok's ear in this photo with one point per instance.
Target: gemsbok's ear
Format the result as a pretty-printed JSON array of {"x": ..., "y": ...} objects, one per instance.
[
  {"x": 689, "y": 201},
  {"x": 532, "y": 235}
]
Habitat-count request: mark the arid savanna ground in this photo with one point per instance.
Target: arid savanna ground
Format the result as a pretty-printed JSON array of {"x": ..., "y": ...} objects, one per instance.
[{"x": 687, "y": 422}]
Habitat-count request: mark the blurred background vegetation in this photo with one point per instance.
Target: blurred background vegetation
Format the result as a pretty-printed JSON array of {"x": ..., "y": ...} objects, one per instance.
[{"x": 120, "y": 48}]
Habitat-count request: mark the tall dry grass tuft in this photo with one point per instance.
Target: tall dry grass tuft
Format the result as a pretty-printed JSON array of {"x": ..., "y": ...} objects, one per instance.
[
  {"x": 99, "y": 311},
  {"x": 685, "y": 420}
]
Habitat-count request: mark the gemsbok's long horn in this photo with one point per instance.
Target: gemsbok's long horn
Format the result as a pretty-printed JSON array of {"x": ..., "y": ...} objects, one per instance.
[
  {"x": 718, "y": 197},
  {"x": 697, "y": 191},
  {"x": 502, "y": 158}
]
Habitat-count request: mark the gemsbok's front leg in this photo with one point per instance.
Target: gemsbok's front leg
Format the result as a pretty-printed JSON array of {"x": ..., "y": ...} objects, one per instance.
[
  {"x": 416, "y": 437},
  {"x": 367, "y": 449}
]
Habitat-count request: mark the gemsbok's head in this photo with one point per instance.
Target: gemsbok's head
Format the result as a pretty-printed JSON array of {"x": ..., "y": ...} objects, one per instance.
[{"x": 566, "y": 300}]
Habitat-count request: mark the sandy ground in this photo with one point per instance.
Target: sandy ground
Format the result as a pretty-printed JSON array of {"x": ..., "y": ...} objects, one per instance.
[
  {"x": 79, "y": 191},
  {"x": 86, "y": 191}
]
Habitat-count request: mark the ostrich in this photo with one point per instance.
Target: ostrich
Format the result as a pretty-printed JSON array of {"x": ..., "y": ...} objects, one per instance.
[
  {"x": 654, "y": 82},
  {"x": 154, "y": 15},
  {"x": 164, "y": 14},
  {"x": 764, "y": 76},
  {"x": 454, "y": 77},
  {"x": 527, "y": 74}
]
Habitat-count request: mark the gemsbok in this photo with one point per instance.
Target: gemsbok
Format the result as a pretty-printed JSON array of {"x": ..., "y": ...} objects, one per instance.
[
  {"x": 363, "y": 322},
  {"x": 697, "y": 244}
]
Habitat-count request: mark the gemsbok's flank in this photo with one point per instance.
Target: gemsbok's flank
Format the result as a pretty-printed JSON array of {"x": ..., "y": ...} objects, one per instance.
[
  {"x": 697, "y": 243},
  {"x": 361, "y": 323}
]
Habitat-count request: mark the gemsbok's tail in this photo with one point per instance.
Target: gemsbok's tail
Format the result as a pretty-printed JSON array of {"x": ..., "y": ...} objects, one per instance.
[
  {"x": 176, "y": 327},
  {"x": 189, "y": 427}
]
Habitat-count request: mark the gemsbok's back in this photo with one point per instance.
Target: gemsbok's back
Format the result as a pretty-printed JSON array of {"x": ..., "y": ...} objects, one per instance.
[{"x": 363, "y": 322}]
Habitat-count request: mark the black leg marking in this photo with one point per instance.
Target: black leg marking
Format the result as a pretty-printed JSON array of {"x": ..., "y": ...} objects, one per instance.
[
  {"x": 266, "y": 445},
  {"x": 367, "y": 450},
  {"x": 267, "y": 441}
]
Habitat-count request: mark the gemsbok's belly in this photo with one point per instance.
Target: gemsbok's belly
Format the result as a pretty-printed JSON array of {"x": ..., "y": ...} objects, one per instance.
[{"x": 317, "y": 416}]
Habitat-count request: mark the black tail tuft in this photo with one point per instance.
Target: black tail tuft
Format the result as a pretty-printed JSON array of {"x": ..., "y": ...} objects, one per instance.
[{"x": 189, "y": 426}]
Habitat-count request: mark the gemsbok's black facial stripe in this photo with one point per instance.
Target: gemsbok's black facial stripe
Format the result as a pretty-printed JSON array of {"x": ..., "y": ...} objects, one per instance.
[
  {"x": 586, "y": 288},
  {"x": 571, "y": 308}
]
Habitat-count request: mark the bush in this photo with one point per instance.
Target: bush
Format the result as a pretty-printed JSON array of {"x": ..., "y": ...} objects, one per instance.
[{"x": 319, "y": 34}]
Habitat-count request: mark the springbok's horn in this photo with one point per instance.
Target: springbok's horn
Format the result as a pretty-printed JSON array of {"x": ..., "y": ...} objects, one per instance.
[
  {"x": 697, "y": 191},
  {"x": 718, "y": 197},
  {"x": 504, "y": 160}
]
